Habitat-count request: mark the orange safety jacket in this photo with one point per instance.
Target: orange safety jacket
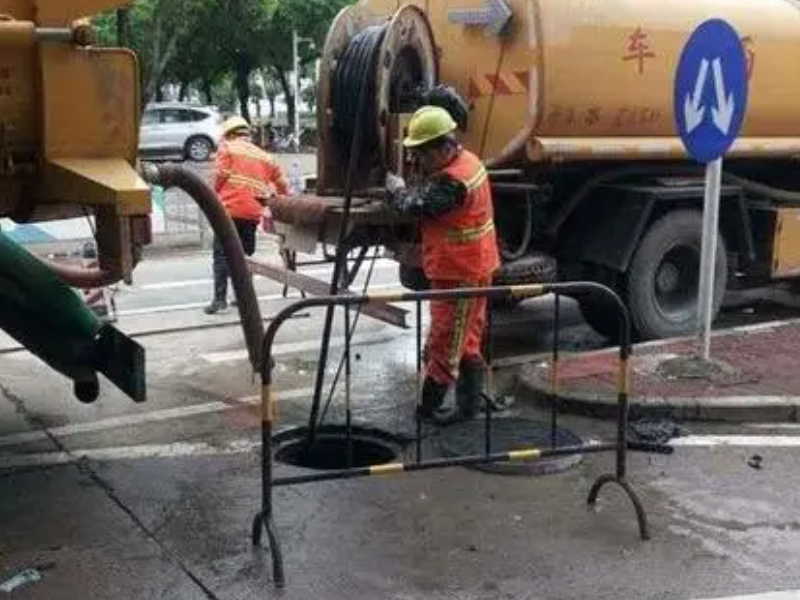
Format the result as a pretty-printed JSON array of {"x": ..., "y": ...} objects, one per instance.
[
  {"x": 461, "y": 244},
  {"x": 245, "y": 173}
]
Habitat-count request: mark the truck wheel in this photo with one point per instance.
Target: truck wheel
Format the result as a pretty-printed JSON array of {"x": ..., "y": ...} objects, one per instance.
[
  {"x": 663, "y": 279},
  {"x": 596, "y": 310}
]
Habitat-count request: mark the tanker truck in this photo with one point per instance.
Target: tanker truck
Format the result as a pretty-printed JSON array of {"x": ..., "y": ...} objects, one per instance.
[{"x": 570, "y": 105}]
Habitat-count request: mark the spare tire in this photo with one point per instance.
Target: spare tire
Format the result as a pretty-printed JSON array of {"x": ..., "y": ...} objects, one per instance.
[{"x": 536, "y": 267}]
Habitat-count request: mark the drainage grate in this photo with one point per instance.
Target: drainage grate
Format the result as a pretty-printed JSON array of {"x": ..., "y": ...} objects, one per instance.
[{"x": 330, "y": 451}]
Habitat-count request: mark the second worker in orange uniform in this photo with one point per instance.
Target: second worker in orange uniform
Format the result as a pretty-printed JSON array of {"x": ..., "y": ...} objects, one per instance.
[
  {"x": 245, "y": 176},
  {"x": 459, "y": 249}
]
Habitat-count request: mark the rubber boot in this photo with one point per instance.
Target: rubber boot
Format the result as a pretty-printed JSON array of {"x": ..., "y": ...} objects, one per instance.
[
  {"x": 220, "y": 301},
  {"x": 433, "y": 394},
  {"x": 470, "y": 387}
]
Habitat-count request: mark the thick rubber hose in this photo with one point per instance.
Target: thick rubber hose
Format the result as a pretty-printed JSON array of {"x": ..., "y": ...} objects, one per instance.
[
  {"x": 355, "y": 69},
  {"x": 171, "y": 175}
]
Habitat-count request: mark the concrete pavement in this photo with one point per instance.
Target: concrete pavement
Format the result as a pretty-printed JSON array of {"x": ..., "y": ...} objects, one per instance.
[{"x": 116, "y": 500}]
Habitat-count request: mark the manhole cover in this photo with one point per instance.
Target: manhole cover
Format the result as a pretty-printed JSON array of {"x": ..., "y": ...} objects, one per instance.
[
  {"x": 331, "y": 449},
  {"x": 510, "y": 434}
]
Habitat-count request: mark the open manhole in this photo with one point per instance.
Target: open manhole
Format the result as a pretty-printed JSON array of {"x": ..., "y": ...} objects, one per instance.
[
  {"x": 508, "y": 434},
  {"x": 331, "y": 448}
]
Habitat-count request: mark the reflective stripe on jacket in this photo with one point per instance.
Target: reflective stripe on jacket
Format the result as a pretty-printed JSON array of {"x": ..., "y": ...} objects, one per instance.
[
  {"x": 461, "y": 244},
  {"x": 245, "y": 173}
]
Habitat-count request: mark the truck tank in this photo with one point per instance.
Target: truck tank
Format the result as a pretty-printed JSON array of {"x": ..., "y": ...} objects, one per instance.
[{"x": 592, "y": 80}]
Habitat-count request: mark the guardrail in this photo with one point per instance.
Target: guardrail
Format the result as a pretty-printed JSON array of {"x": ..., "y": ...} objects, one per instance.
[{"x": 264, "y": 521}]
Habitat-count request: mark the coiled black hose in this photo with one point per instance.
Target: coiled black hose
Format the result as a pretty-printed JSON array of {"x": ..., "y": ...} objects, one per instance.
[{"x": 356, "y": 68}]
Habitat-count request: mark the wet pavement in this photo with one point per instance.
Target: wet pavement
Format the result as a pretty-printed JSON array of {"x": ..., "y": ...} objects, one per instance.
[{"x": 115, "y": 500}]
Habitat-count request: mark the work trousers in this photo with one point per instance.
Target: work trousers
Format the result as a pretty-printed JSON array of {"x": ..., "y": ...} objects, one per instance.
[
  {"x": 456, "y": 331},
  {"x": 247, "y": 234}
]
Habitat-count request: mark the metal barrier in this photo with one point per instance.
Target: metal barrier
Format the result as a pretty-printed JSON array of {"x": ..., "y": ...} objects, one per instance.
[{"x": 263, "y": 521}]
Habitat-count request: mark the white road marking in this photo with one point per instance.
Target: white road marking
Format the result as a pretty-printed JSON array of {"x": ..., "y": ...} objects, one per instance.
[
  {"x": 175, "y": 449},
  {"x": 771, "y": 441},
  {"x": 294, "y": 295},
  {"x": 786, "y": 595},
  {"x": 167, "y": 285},
  {"x": 382, "y": 335},
  {"x": 382, "y": 263},
  {"x": 783, "y": 426},
  {"x": 154, "y": 416}
]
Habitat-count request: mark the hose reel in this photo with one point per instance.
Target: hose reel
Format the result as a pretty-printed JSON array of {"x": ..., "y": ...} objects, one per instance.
[{"x": 397, "y": 61}]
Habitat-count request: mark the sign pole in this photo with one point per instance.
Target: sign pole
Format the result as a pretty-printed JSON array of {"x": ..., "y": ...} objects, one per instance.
[
  {"x": 296, "y": 86},
  {"x": 708, "y": 256}
]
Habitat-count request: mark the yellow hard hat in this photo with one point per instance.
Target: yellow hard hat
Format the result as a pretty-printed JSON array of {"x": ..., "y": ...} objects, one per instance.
[
  {"x": 233, "y": 124},
  {"x": 427, "y": 124}
]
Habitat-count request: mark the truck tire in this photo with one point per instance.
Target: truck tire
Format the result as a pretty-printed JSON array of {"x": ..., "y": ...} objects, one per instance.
[
  {"x": 596, "y": 310},
  {"x": 663, "y": 278},
  {"x": 531, "y": 268}
]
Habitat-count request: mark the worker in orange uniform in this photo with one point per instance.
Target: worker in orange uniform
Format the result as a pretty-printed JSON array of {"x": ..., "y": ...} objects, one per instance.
[
  {"x": 459, "y": 249},
  {"x": 245, "y": 177}
]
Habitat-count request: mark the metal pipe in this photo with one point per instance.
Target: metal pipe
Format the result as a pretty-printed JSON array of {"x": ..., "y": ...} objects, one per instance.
[
  {"x": 554, "y": 371},
  {"x": 171, "y": 175},
  {"x": 439, "y": 463},
  {"x": 25, "y": 34},
  {"x": 708, "y": 254},
  {"x": 418, "y": 381},
  {"x": 83, "y": 278}
]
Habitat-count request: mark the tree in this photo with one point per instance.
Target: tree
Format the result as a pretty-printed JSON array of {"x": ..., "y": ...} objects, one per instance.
[
  {"x": 156, "y": 30},
  {"x": 312, "y": 18},
  {"x": 272, "y": 88},
  {"x": 309, "y": 96}
]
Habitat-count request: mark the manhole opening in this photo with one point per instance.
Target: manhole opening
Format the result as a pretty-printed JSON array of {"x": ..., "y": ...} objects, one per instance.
[{"x": 331, "y": 449}]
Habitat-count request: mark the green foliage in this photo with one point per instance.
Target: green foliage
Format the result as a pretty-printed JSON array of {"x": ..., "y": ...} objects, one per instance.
[{"x": 216, "y": 45}]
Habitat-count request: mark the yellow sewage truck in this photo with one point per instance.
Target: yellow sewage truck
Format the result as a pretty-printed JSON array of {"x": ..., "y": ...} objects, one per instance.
[{"x": 570, "y": 104}]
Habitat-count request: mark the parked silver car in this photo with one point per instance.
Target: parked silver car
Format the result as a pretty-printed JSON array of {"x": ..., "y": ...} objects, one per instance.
[{"x": 175, "y": 130}]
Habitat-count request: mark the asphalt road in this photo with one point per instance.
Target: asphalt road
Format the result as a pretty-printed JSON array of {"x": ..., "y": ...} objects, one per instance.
[{"x": 115, "y": 500}]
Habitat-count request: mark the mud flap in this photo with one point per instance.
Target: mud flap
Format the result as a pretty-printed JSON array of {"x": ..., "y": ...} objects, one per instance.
[{"x": 122, "y": 361}]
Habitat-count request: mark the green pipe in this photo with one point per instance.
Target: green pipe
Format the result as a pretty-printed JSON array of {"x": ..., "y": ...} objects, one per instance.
[{"x": 47, "y": 317}]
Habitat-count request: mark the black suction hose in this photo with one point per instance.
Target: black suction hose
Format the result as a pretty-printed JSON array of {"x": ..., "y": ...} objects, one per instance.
[
  {"x": 171, "y": 175},
  {"x": 356, "y": 70}
]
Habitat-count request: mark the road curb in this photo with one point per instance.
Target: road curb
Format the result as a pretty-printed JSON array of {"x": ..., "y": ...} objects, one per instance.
[
  {"x": 533, "y": 385},
  {"x": 737, "y": 409}
]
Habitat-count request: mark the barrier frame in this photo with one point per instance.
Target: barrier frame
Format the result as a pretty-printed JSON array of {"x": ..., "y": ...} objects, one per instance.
[{"x": 264, "y": 519}]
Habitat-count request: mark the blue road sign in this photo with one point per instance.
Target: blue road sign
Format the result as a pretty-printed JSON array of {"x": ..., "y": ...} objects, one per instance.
[{"x": 711, "y": 90}]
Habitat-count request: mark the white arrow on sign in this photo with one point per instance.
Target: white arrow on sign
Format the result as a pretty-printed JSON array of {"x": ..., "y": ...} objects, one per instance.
[
  {"x": 723, "y": 113},
  {"x": 693, "y": 112},
  {"x": 494, "y": 15}
]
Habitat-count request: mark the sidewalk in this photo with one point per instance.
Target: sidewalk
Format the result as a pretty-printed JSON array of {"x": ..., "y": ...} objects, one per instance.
[{"x": 755, "y": 377}]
